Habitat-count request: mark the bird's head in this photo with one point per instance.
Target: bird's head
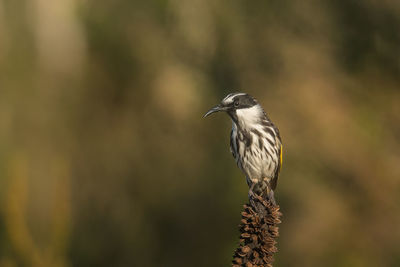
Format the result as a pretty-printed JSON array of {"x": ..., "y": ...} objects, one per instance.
[{"x": 239, "y": 106}]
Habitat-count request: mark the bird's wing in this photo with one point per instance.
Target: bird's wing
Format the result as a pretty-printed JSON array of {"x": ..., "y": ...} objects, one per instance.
[
  {"x": 274, "y": 180},
  {"x": 233, "y": 144}
]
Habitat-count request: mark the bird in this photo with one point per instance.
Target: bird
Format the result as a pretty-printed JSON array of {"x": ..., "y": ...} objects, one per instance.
[{"x": 255, "y": 143}]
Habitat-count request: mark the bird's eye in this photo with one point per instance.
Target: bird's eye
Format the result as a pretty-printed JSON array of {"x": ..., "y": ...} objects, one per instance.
[{"x": 236, "y": 103}]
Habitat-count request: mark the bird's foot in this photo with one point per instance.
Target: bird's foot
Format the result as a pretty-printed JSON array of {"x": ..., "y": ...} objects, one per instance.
[{"x": 251, "y": 192}]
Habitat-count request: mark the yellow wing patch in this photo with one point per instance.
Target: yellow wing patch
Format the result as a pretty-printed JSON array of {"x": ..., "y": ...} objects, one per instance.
[{"x": 280, "y": 157}]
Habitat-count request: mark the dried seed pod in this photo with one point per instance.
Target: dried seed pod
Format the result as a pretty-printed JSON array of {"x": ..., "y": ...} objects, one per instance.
[{"x": 258, "y": 232}]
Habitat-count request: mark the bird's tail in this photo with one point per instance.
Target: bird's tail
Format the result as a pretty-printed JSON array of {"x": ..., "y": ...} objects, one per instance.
[{"x": 264, "y": 190}]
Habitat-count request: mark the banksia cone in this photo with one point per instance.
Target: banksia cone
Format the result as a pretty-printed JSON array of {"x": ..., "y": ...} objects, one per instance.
[{"x": 258, "y": 231}]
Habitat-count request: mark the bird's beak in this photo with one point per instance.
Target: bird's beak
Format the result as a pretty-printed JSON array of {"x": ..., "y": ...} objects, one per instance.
[{"x": 213, "y": 110}]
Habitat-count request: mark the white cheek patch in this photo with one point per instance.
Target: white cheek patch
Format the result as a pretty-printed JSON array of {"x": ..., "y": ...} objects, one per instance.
[{"x": 249, "y": 117}]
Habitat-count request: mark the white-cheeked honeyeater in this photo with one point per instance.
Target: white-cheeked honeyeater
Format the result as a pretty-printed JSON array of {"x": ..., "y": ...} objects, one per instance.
[{"x": 255, "y": 142}]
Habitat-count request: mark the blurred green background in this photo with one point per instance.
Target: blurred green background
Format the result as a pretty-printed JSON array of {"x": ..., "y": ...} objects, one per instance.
[{"x": 105, "y": 159}]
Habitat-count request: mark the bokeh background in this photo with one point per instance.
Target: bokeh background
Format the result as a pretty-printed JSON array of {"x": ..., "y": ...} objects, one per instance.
[{"x": 105, "y": 159}]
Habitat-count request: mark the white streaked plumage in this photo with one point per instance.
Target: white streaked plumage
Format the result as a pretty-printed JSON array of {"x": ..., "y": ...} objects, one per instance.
[{"x": 255, "y": 142}]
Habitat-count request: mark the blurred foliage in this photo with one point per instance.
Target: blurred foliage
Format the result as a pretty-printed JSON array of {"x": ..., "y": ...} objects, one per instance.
[{"x": 105, "y": 159}]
